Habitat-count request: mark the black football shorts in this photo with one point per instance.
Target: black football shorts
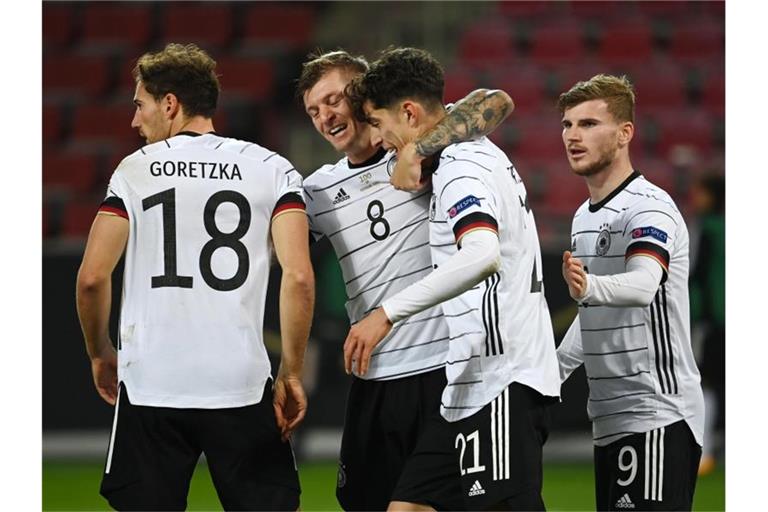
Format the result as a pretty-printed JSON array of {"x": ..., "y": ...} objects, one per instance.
[{"x": 154, "y": 450}]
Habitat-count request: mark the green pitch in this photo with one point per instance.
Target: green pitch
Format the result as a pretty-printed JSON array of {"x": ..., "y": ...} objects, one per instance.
[{"x": 75, "y": 486}]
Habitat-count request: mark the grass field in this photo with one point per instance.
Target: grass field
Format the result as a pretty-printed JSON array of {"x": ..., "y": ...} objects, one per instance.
[{"x": 75, "y": 486}]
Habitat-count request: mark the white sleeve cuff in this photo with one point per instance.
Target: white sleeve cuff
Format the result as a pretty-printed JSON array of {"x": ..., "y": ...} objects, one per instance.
[{"x": 478, "y": 258}]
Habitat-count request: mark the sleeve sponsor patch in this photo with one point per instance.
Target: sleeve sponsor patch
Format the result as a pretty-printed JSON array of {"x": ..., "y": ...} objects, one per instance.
[
  {"x": 462, "y": 205},
  {"x": 656, "y": 233}
]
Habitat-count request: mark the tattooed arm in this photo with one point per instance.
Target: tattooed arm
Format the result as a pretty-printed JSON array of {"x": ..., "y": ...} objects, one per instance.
[{"x": 472, "y": 117}]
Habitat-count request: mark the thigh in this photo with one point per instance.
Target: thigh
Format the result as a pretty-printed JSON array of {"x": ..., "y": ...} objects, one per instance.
[
  {"x": 373, "y": 450},
  {"x": 655, "y": 470},
  {"x": 499, "y": 451},
  {"x": 429, "y": 475},
  {"x": 251, "y": 467},
  {"x": 151, "y": 457}
]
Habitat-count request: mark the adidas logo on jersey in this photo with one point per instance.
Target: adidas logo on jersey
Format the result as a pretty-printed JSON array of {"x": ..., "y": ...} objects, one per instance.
[
  {"x": 477, "y": 489},
  {"x": 341, "y": 196},
  {"x": 625, "y": 502}
]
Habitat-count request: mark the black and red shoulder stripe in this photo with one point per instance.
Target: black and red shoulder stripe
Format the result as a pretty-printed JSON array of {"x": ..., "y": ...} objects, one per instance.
[
  {"x": 652, "y": 250},
  {"x": 473, "y": 221},
  {"x": 290, "y": 201},
  {"x": 113, "y": 205}
]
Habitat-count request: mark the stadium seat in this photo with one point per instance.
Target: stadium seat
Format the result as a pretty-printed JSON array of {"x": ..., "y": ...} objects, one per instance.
[
  {"x": 58, "y": 24},
  {"x": 698, "y": 40},
  {"x": 98, "y": 123},
  {"x": 53, "y": 121},
  {"x": 565, "y": 191},
  {"x": 458, "y": 83},
  {"x": 558, "y": 43},
  {"x": 713, "y": 94},
  {"x": 536, "y": 136},
  {"x": 658, "y": 171},
  {"x": 126, "y": 25},
  {"x": 279, "y": 25},
  {"x": 693, "y": 128},
  {"x": 71, "y": 171},
  {"x": 665, "y": 9},
  {"x": 526, "y": 86},
  {"x": 626, "y": 43},
  {"x": 206, "y": 24},
  {"x": 248, "y": 78},
  {"x": 75, "y": 75},
  {"x": 525, "y": 9},
  {"x": 78, "y": 217},
  {"x": 487, "y": 45},
  {"x": 659, "y": 87},
  {"x": 592, "y": 9}
]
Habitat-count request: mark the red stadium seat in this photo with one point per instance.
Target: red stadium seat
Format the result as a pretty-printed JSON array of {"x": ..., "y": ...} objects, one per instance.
[
  {"x": 79, "y": 76},
  {"x": 537, "y": 136},
  {"x": 283, "y": 25},
  {"x": 458, "y": 83},
  {"x": 52, "y": 124},
  {"x": 713, "y": 94},
  {"x": 593, "y": 9},
  {"x": 120, "y": 24},
  {"x": 565, "y": 191},
  {"x": 526, "y": 9},
  {"x": 526, "y": 86},
  {"x": 660, "y": 87},
  {"x": 78, "y": 218},
  {"x": 558, "y": 43},
  {"x": 692, "y": 128},
  {"x": 72, "y": 171},
  {"x": 698, "y": 40},
  {"x": 249, "y": 78},
  {"x": 626, "y": 43},
  {"x": 206, "y": 24},
  {"x": 96, "y": 123},
  {"x": 665, "y": 8},
  {"x": 487, "y": 45},
  {"x": 58, "y": 23}
]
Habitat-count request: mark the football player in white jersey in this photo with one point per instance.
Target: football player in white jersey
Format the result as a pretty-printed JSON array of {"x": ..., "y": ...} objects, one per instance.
[
  {"x": 380, "y": 237},
  {"x": 501, "y": 369},
  {"x": 628, "y": 271},
  {"x": 197, "y": 216}
]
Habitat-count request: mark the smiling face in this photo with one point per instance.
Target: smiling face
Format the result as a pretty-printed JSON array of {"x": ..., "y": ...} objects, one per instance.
[
  {"x": 593, "y": 138},
  {"x": 332, "y": 117},
  {"x": 148, "y": 118},
  {"x": 391, "y": 125}
]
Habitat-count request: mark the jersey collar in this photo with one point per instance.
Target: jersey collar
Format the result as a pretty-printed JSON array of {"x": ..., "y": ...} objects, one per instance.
[
  {"x": 375, "y": 158},
  {"x": 195, "y": 134},
  {"x": 594, "y": 207}
]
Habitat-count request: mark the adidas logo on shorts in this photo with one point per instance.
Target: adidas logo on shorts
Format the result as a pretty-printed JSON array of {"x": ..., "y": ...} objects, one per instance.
[
  {"x": 340, "y": 196},
  {"x": 477, "y": 489},
  {"x": 625, "y": 502}
]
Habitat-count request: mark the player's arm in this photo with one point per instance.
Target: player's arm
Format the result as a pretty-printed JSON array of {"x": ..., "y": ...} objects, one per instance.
[
  {"x": 570, "y": 354},
  {"x": 290, "y": 236},
  {"x": 635, "y": 287},
  {"x": 106, "y": 243},
  {"x": 472, "y": 117},
  {"x": 479, "y": 257}
]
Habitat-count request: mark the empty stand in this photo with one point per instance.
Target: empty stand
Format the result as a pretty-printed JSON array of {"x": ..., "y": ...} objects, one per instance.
[
  {"x": 556, "y": 43},
  {"x": 116, "y": 25},
  {"x": 459, "y": 82},
  {"x": 53, "y": 121},
  {"x": 281, "y": 26},
  {"x": 75, "y": 75},
  {"x": 206, "y": 24},
  {"x": 100, "y": 123},
  {"x": 626, "y": 42},
  {"x": 58, "y": 24},
  {"x": 697, "y": 40},
  {"x": 247, "y": 77},
  {"x": 69, "y": 171},
  {"x": 487, "y": 45},
  {"x": 78, "y": 217}
]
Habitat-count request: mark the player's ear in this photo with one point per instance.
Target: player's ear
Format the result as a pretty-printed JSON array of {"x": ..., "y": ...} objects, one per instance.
[
  {"x": 626, "y": 132},
  {"x": 409, "y": 110},
  {"x": 170, "y": 105}
]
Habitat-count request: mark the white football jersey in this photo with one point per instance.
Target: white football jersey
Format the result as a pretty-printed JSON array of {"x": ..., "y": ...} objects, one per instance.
[
  {"x": 381, "y": 238},
  {"x": 196, "y": 267},
  {"x": 500, "y": 330},
  {"x": 638, "y": 360}
]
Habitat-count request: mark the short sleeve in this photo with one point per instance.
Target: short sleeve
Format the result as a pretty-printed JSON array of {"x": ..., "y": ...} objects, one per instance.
[
  {"x": 288, "y": 187},
  {"x": 114, "y": 202},
  {"x": 466, "y": 199},
  {"x": 650, "y": 231}
]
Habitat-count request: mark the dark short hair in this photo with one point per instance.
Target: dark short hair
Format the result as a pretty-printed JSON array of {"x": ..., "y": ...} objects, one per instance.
[
  {"x": 185, "y": 71},
  {"x": 319, "y": 63},
  {"x": 617, "y": 92},
  {"x": 398, "y": 74}
]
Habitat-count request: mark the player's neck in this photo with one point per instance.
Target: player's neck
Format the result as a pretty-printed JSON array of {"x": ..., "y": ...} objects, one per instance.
[
  {"x": 197, "y": 124},
  {"x": 601, "y": 184}
]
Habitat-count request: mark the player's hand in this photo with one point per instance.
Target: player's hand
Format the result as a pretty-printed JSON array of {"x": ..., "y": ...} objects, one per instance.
[
  {"x": 104, "y": 369},
  {"x": 407, "y": 172},
  {"x": 574, "y": 275},
  {"x": 290, "y": 403},
  {"x": 363, "y": 338}
]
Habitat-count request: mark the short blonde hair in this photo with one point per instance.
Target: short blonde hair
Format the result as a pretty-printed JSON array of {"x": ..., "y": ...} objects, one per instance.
[{"x": 617, "y": 92}]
